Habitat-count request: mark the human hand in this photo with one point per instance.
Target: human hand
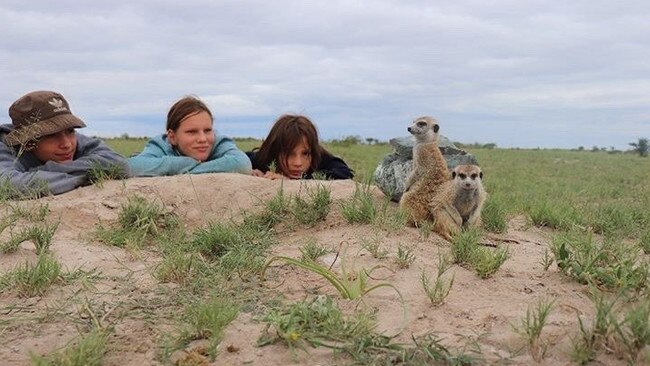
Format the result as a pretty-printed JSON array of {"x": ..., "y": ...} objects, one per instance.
[{"x": 257, "y": 173}]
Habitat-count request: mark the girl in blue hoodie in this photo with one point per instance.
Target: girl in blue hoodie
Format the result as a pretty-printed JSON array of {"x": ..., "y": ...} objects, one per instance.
[{"x": 190, "y": 145}]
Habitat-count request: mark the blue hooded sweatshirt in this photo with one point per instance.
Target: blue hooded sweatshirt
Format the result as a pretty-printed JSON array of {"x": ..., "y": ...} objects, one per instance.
[{"x": 159, "y": 157}]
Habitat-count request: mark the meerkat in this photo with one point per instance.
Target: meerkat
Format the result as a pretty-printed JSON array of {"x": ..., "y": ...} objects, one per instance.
[
  {"x": 428, "y": 174},
  {"x": 458, "y": 203}
]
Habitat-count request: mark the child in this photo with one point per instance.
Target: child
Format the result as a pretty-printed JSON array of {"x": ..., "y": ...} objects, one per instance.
[
  {"x": 293, "y": 146},
  {"x": 41, "y": 152},
  {"x": 189, "y": 146}
]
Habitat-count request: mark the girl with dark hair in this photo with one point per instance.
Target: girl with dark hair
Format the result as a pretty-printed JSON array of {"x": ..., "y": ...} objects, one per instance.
[
  {"x": 190, "y": 145},
  {"x": 293, "y": 148}
]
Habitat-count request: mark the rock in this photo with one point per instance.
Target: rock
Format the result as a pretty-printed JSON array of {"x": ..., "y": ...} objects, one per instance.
[{"x": 391, "y": 173}]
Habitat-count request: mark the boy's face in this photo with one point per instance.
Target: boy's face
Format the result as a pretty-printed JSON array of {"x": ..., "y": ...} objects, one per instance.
[{"x": 59, "y": 147}]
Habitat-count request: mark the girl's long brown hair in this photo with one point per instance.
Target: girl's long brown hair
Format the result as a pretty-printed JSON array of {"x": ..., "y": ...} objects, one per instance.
[{"x": 287, "y": 132}]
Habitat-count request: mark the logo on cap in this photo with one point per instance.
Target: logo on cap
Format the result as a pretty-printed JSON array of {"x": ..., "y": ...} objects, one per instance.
[{"x": 57, "y": 104}]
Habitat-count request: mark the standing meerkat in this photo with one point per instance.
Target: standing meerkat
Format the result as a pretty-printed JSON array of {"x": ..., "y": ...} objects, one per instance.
[
  {"x": 428, "y": 174},
  {"x": 458, "y": 203}
]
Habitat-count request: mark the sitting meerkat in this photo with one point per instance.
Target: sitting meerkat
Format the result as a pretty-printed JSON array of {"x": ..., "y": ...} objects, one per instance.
[
  {"x": 428, "y": 174},
  {"x": 458, "y": 202}
]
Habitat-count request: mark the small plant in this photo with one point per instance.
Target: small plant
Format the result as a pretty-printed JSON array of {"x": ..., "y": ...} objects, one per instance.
[
  {"x": 138, "y": 221},
  {"x": 349, "y": 285},
  {"x": 177, "y": 267},
  {"x": 361, "y": 208},
  {"x": 463, "y": 246},
  {"x": 644, "y": 242},
  {"x": 373, "y": 246},
  {"x": 487, "y": 261},
  {"x": 311, "y": 250},
  {"x": 310, "y": 212},
  {"x": 404, "y": 257},
  {"x": 89, "y": 350},
  {"x": 493, "y": 216},
  {"x": 598, "y": 334},
  {"x": 207, "y": 320},
  {"x": 438, "y": 292},
  {"x": 33, "y": 279},
  {"x": 634, "y": 330},
  {"x": 531, "y": 328},
  {"x": 98, "y": 174},
  {"x": 547, "y": 260},
  {"x": 316, "y": 322},
  {"x": 237, "y": 248},
  {"x": 36, "y": 213},
  {"x": 425, "y": 229}
]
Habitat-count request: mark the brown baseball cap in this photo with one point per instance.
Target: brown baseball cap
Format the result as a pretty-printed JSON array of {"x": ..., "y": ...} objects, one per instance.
[{"x": 38, "y": 114}]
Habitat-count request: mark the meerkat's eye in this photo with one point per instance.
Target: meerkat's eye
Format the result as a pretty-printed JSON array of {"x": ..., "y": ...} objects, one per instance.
[
  {"x": 436, "y": 128},
  {"x": 474, "y": 176},
  {"x": 462, "y": 175},
  {"x": 421, "y": 124}
]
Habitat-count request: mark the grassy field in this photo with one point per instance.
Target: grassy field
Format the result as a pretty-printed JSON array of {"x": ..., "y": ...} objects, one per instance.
[
  {"x": 594, "y": 206},
  {"x": 555, "y": 188}
]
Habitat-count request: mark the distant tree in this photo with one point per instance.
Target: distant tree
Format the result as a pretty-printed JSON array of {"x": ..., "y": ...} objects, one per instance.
[
  {"x": 641, "y": 147},
  {"x": 581, "y": 148},
  {"x": 595, "y": 149}
]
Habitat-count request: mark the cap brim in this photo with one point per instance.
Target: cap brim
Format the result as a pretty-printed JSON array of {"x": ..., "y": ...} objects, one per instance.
[{"x": 46, "y": 127}]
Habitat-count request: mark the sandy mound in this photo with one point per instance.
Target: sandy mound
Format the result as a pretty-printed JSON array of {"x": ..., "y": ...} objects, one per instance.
[{"x": 476, "y": 309}]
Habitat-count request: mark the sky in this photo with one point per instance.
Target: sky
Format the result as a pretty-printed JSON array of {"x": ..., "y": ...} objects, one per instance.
[{"x": 548, "y": 74}]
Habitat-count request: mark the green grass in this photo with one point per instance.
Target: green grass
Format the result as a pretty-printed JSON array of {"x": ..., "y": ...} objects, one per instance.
[
  {"x": 603, "y": 262},
  {"x": 437, "y": 291},
  {"x": 29, "y": 280},
  {"x": 87, "y": 350},
  {"x": 139, "y": 222},
  {"x": 531, "y": 327}
]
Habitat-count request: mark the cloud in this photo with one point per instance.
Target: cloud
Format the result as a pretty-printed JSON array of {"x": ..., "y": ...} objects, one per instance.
[{"x": 499, "y": 70}]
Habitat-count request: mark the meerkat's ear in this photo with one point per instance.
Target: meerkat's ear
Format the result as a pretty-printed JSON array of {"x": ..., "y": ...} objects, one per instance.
[
  {"x": 480, "y": 174},
  {"x": 436, "y": 127},
  {"x": 453, "y": 175}
]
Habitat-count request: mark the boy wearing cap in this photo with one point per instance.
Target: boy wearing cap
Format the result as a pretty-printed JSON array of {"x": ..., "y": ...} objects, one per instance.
[{"x": 40, "y": 152}]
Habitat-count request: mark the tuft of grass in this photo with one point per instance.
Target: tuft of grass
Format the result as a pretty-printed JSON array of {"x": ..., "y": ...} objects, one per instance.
[
  {"x": 88, "y": 350},
  {"x": 463, "y": 246},
  {"x": 634, "y": 331},
  {"x": 98, "y": 174},
  {"x": 315, "y": 209},
  {"x": 237, "y": 248},
  {"x": 139, "y": 221},
  {"x": 312, "y": 250},
  {"x": 438, "y": 292},
  {"x": 374, "y": 247},
  {"x": 178, "y": 267},
  {"x": 360, "y": 208},
  {"x": 561, "y": 216},
  {"x": 547, "y": 260},
  {"x": 404, "y": 257},
  {"x": 486, "y": 261},
  {"x": 531, "y": 328},
  {"x": 493, "y": 216},
  {"x": 33, "y": 279},
  {"x": 598, "y": 334},
  {"x": 644, "y": 241},
  {"x": 208, "y": 320}
]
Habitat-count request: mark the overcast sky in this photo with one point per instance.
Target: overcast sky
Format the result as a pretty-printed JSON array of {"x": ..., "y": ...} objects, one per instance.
[{"x": 515, "y": 73}]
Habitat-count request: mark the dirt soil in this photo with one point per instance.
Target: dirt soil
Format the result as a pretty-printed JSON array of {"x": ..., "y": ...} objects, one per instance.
[{"x": 124, "y": 291}]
